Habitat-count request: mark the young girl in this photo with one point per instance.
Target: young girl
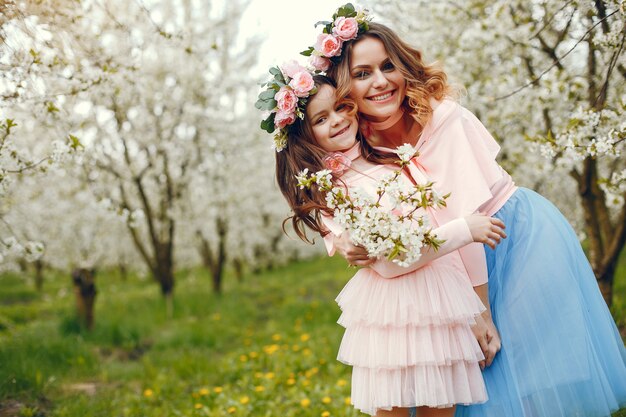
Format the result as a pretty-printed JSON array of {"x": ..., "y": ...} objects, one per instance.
[
  {"x": 561, "y": 352},
  {"x": 409, "y": 338}
]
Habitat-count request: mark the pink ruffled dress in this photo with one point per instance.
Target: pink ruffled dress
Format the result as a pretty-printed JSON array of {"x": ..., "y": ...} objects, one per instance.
[{"x": 408, "y": 330}]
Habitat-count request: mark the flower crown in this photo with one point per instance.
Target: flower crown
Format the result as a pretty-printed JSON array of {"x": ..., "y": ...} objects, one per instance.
[
  {"x": 346, "y": 25},
  {"x": 285, "y": 97}
]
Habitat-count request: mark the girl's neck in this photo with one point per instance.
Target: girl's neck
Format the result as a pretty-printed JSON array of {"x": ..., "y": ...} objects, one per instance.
[{"x": 398, "y": 129}]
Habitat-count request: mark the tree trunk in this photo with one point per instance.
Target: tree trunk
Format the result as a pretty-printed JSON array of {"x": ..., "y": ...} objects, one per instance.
[
  {"x": 123, "y": 271},
  {"x": 215, "y": 263},
  {"x": 238, "y": 265},
  {"x": 38, "y": 274},
  {"x": 85, "y": 291},
  {"x": 163, "y": 273},
  {"x": 605, "y": 282}
]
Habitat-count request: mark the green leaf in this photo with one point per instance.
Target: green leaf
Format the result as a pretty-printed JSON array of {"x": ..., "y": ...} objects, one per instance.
[
  {"x": 323, "y": 22},
  {"x": 268, "y": 124},
  {"x": 52, "y": 108},
  {"x": 267, "y": 95},
  {"x": 265, "y": 105},
  {"x": 279, "y": 78},
  {"x": 74, "y": 142},
  {"x": 347, "y": 10},
  {"x": 307, "y": 52},
  {"x": 275, "y": 71}
]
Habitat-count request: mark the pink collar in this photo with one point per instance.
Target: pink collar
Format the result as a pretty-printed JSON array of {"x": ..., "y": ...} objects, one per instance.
[{"x": 391, "y": 120}]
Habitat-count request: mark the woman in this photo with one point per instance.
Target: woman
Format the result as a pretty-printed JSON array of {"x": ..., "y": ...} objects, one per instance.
[
  {"x": 408, "y": 338},
  {"x": 561, "y": 352}
]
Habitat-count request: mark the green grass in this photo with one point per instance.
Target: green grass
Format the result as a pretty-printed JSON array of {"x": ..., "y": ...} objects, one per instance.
[{"x": 266, "y": 347}]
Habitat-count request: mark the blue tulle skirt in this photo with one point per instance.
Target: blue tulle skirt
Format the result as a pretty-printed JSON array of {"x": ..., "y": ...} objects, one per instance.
[{"x": 562, "y": 355}]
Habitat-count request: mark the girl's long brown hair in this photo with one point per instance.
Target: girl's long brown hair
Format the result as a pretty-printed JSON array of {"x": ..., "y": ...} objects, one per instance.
[
  {"x": 302, "y": 152},
  {"x": 423, "y": 81}
]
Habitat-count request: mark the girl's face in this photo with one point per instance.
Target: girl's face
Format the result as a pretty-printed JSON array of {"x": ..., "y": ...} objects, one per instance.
[
  {"x": 377, "y": 86},
  {"x": 333, "y": 127}
]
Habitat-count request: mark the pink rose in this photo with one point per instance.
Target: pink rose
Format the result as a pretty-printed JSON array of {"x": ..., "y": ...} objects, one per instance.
[
  {"x": 283, "y": 119},
  {"x": 337, "y": 163},
  {"x": 302, "y": 83},
  {"x": 328, "y": 45},
  {"x": 287, "y": 100},
  {"x": 291, "y": 68},
  {"x": 346, "y": 28},
  {"x": 319, "y": 63}
]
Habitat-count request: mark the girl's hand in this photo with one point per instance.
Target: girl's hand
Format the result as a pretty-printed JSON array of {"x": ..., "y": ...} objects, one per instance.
[
  {"x": 485, "y": 229},
  {"x": 355, "y": 255}
]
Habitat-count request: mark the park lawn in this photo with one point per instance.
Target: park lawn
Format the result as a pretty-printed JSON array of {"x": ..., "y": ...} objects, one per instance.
[{"x": 266, "y": 347}]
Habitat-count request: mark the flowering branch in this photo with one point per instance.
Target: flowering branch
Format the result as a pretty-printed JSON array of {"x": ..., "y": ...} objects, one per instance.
[{"x": 387, "y": 224}]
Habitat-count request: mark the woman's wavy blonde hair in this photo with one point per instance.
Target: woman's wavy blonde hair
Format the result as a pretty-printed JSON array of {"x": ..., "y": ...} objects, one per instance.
[{"x": 423, "y": 81}]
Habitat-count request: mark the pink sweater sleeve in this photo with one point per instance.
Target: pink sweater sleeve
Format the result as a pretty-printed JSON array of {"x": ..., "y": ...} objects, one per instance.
[
  {"x": 456, "y": 235},
  {"x": 335, "y": 230}
]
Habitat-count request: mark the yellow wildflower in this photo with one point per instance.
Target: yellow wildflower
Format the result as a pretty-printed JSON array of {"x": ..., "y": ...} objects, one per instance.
[
  {"x": 326, "y": 400},
  {"x": 203, "y": 391},
  {"x": 148, "y": 392},
  {"x": 243, "y": 358},
  {"x": 244, "y": 400},
  {"x": 259, "y": 388},
  {"x": 305, "y": 336},
  {"x": 347, "y": 400},
  {"x": 197, "y": 406},
  {"x": 217, "y": 390},
  {"x": 269, "y": 375},
  {"x": 231, "y": 410},
  {"x": 326, "y": 414},
  {"x": 276, "y": 337},
  {"x": 253, "y": 354},
  {"x": 342, "y": 383},
  {"x": 270, "y": 349},
  {"x": 305, "y": 402},
  {"x": 291, "y": 381}
]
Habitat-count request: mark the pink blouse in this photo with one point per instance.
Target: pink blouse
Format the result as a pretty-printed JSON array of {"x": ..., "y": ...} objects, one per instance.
[{"x": 459, "y": 155}]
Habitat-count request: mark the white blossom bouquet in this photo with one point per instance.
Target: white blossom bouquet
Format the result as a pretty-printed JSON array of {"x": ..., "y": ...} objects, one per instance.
[{"x": 397, "y": 230}]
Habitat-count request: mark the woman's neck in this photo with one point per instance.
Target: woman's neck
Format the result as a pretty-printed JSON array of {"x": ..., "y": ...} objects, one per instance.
[{"x": 392, "y": 133}]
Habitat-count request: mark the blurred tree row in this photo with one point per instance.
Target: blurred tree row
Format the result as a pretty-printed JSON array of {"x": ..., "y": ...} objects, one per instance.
[{"x": 150, "y": 156}]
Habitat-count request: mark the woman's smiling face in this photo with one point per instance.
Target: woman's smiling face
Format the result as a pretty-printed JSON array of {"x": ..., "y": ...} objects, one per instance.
[
  {"x": 334, "y": 128},
  {"x": 377, "y": 86}
]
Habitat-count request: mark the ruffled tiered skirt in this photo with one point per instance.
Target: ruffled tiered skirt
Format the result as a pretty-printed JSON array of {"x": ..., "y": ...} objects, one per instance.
[
  {"x": 409, "y": 339},
  {"x": 562, "y": 355}
]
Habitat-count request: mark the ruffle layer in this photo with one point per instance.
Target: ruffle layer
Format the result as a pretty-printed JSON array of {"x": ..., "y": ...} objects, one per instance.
[
  {"x": 435, "y": 294},
  {"x": 394, "y": 347},
  {"x": 432, "y": 386}
]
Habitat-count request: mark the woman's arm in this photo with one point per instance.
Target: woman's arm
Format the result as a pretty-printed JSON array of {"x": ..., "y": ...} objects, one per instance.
[{"x": 456, "y": 234}]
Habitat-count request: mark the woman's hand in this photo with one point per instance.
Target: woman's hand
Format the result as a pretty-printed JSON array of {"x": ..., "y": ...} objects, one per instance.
[
  {"x": 488, "y": 338},
  {"x": 355, "y": 255},
  {"x": 485, "y": 229}
]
